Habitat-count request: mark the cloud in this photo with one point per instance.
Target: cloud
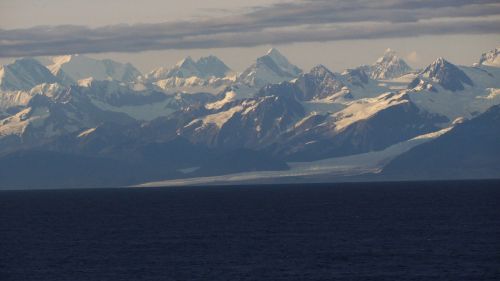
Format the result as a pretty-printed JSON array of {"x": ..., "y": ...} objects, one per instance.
[
  {"x": 412, "y": 57},
  {"x": 290, "y": 22}
]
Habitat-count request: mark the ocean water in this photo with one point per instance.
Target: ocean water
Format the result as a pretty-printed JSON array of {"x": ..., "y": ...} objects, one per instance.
[{"x": 372, "y": 231}]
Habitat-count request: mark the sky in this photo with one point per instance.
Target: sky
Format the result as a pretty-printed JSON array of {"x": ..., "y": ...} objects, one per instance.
[{"x": 337, "y": 33}]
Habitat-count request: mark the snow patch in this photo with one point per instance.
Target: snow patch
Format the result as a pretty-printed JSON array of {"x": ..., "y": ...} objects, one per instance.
[
  {"x": 229, "y": 97},
  {"x": 86, "y": 132},
  {"x": 219, "y": 119},
  {"x": 365, "y": 108}
]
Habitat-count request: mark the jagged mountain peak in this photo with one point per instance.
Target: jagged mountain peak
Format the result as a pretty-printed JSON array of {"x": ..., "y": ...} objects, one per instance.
[
  {"x": 270, "y": 68},
  {"x": 24, "y": 63},
  {"x": 320, "y": 70},
  {"x": 441, "y": 61},
  {"x": 281, "y": 61},
  {"x": 187, "y": 61},
  {"x": 356, "y": 76},
  {"x": 24, "y": 74},
  {"x": 273, "y": 50},
  {"x": 74, "y": 67},
  {"x": 212, "y": 66},
  {"x": 317, "y": 84},
  {"x": 306, "y": 117},
  {"x": 389, "y": 55},
  {"x": 390, "y": 65},
  {"x": 448, "y": 75},
  {"x": 184, "y": 68},
  {"x": 204, "y": 67},
  {"x": 437, "y": 67},
  {"x": 275, "y": 54}
]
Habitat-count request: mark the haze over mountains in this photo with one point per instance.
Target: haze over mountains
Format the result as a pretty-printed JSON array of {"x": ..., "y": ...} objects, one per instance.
[{"x": 83, "y": 122}]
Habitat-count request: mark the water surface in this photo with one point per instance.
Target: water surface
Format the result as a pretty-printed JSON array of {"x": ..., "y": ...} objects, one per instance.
[{"x": 371, "y": 231}]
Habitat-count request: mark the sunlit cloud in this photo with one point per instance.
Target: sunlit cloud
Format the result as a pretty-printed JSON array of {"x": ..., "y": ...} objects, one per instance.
[{"x": 412, "y": 57}]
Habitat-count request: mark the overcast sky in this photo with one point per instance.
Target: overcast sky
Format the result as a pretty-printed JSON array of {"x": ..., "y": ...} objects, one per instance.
[{"x": 336, "y": 33}]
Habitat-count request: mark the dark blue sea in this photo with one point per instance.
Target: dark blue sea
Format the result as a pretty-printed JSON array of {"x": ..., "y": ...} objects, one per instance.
[{"x": 370, "y": 231}]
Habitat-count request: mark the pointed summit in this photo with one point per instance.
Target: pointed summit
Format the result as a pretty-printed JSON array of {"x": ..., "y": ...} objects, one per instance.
[
  {"x": 212, "y": 66},
  {"x": 448, "y": 75},
  {"x": 270, "y": 68},
  {"x": 319, "y": 83},
  {"x": 389, "y": 55},
  {"x": 389, "y": 66},
  {"x": 205, "y": 67},
  {"x": 275, "y": 54},
  {"x": 321, "y": 70},
  {"x": 273, "y": 51},
  {"x": 24, "y": 74},
  {"x": 282, "y": 62},
  {"x": 185, "y": 62},
  {"x": 184, "y": 68},
  {"x": 438, "y": 68}
]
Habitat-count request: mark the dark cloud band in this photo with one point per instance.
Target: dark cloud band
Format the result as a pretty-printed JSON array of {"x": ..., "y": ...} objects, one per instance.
[{"x": 303, "y": 21}]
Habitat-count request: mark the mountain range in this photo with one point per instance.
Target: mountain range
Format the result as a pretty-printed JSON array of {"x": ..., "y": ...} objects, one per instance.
[{"x": 84, "y": 122}]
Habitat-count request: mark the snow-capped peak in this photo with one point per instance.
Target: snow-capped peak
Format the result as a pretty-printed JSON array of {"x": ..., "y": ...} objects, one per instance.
[
  {"x": 205, "y": 67},
  {"x": 270, "y": 68},
  {"x": 491, "y": 58},
  {"x": 24, "y": 74},
  {"x": 185, "y": 62},
  {"x": 282, "y": 62},
  {"x": 273, "y": 51},
  {"x": 319, "y": 83},
  {"x": 389, "y": 66},
  {"x": 389, "y": 55},
  {"x": 437, "y": 68},
  {"x": 212, "y": 66},
  {"x": 448, "y": 75},
  {"x": 184, "y": 68},
  {"x": 320, "y": 70},
  {"x": 71, "y": 68},
  {"x": 275, "y": 55}
]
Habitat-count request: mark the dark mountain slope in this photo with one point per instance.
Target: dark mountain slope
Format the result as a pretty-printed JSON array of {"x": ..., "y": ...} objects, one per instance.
[{"x": 470, "y": 150}]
